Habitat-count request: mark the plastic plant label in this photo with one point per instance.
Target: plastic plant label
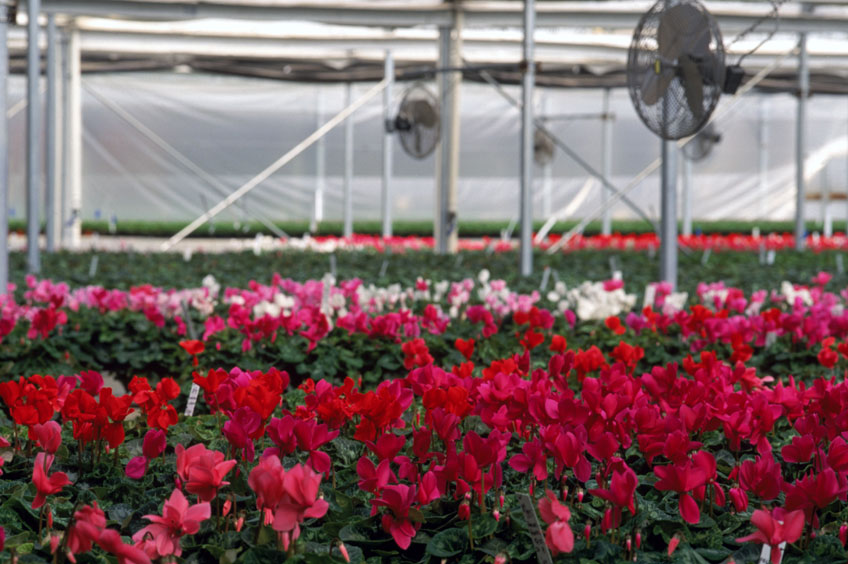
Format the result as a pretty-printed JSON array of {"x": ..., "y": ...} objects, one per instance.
[
  {"x": 195, "y": 389},
  {"x": 546, "y": 275},
  {"x": 765, "y": 555},
  {"x": 543, "y": 555},
  {"x": 650, "y": 295}
]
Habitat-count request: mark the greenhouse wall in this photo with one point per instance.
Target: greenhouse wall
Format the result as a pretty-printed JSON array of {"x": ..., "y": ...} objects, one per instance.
[{"x": 233, "y": 127}]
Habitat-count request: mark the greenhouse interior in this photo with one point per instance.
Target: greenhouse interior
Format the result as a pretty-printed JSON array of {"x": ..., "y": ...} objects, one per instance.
[{"x": 473, "y": 281}]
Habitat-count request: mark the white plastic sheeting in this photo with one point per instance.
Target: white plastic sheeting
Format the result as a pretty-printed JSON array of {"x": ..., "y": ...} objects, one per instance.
[{"x": 232, "y": 127}]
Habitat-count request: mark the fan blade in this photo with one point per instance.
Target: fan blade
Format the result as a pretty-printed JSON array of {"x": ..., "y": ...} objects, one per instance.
[
  {"x": 418, "y": 151},
  {"x": 693, "y": 86},
  {"x": 683, "y": 29},
  {"x": 654, "y": 85}
]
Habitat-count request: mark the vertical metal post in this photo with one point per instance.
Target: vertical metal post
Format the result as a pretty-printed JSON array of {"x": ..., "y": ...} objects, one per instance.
[
  {"x": 74, "y": 140},
  {"x": 686, "y": 196},
  {"x": 800, "y": 138},
  {"x": 4, "y": 154},
  {"x": 606, "y": 162},
  {"x": 528, "y": 82},
  {"x": 386, "y": 196},
  {"x": 347, "y": 230},
  {"x": 33, "y": 157},
  {"x": 547, "y": 171},
  {"x": 447, "y": 161},
  {"x": 64, "y": 203},
  {"x": 668, "y": 221},
  {"x": 51, "y": 142},
  {"x": 763, "y": 157},
  {"x": 320, "y": 169}
]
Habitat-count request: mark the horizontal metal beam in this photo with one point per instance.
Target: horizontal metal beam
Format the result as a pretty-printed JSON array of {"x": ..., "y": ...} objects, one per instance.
[
  {"x": 168, "y": 46},
  {"x": 732, "y": 17}
]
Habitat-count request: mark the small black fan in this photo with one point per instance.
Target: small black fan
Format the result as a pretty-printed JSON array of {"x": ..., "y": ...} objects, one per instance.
[
  {"x": 417, "y": 123},
  {"x": 675, "y": 68},
  {"x": 543, "y": 148},
  {"x": 699, "y": 147}
]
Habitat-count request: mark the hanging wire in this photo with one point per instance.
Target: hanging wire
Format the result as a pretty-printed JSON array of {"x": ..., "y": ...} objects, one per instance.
[{"x": 774, "y": 13}]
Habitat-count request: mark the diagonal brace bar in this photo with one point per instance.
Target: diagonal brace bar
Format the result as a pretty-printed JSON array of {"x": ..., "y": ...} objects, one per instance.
[
  {"x": 540, "y": 124},
  {"x": 171, "y": 150},
  {"x": 648, "y": 170},
  {"x": 275, "y": 166}
]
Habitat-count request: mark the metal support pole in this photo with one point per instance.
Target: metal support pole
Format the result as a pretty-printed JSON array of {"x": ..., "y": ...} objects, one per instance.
[
  {"x": 547, "y": 171},
  {"x": 447, "y": 161},
  {"x": 386, "y": 196},
  {"x": 668, "y": 227},
  {"x": 528, "y": 82},
  {"x": 606, "y": 162},
  {"x": 33, "y": 157},
  {"x": 686, "y": 196},
  {"x": 320, "y": 169},
  {"x": 800, "y": 138},
  {"x": 74, "y": 140},
  {"x": 348, "y": 166},
  {"x": 64, "y": 204},
  {"x": 763, "y": 158},
  {"x": 52, "y": 163},
  {"x": 4, "y": 154}
]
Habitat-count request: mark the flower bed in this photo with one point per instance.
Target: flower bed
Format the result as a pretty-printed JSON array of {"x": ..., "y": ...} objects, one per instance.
[{"x": 406, "y": 423}]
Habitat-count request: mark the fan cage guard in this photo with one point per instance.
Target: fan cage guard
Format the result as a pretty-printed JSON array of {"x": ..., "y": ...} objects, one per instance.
[
  {"x": 419, "y": 140},
  {"x": 671, "y": 117}
]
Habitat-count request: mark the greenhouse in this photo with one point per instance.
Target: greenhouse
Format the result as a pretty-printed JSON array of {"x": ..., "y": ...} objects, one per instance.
[{"x": 433, "y": 281}]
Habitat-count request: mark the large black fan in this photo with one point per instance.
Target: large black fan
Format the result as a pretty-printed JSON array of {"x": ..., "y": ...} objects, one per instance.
[
  {"x": 418, "y": 123},
  {"x": 675, "y": 68}
]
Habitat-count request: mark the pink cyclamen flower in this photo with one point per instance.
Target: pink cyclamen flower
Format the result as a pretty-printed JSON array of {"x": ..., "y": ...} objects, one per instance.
[
  {"x": 398, "y": 499},
  {"x": 177, "y": 520},
  {"x": 559, "y": 537},
  {"x": 44, "y": 484},
  {"x": 48, "y": 436},
  {"x": 299, "y": 501},
  {"x": 776, "y": 527},
  {"x": 202, "y": 470}
]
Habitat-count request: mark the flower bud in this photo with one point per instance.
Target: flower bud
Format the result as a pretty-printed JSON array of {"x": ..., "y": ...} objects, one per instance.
[
  {"x": 638, "y": 539},
  {"x": 226, "y": 509},
  {"x": 579, "y": 495},
  {"x": 843, "y": 533},
  {"x": 343, "y": 550},
  {"x": 629, "y": 543},
  {"x": 497, "y": 515},
  {"x": 54, "y": 543},
  {"x": 464, "y": 512},
  {"x": 500, "y": 558},
  {"x": 239, "y": 523},
  {"x": 672, "y": 544}
]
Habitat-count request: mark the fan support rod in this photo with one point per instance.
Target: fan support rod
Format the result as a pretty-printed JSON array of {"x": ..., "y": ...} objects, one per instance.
[
  {"x": 52, "y": 163},
  {"x": 606, "y": 162},
  {"x": 275, "y": 166},
  {"x": 668, "y": 220},
  {"x": 686, "y": 196},
  {"x": 528, "y": 82}
]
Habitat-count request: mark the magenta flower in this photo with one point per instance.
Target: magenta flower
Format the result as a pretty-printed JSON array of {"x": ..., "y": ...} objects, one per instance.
[{"x": 177, "y": 520}]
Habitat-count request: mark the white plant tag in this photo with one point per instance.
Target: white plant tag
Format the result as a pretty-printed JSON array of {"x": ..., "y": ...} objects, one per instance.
[
  {"x": 706, "y": 256},
  {"x": 333, "y": 265},
  {"x": 765, "y": 555},
  {"x": 650, "y": 295},
  {"x": 543, "y": 555},
  {"x": 840, "y": 264},
  {"x": 92, "y": 268},
  {"x": 770, "y": 257},
  {"x": 546, "y": 275},
  {"x": 195, "y": 389}
]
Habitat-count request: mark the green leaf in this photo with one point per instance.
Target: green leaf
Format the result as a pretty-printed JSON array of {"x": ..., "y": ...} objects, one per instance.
[{"x": 448, "y": 543}]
